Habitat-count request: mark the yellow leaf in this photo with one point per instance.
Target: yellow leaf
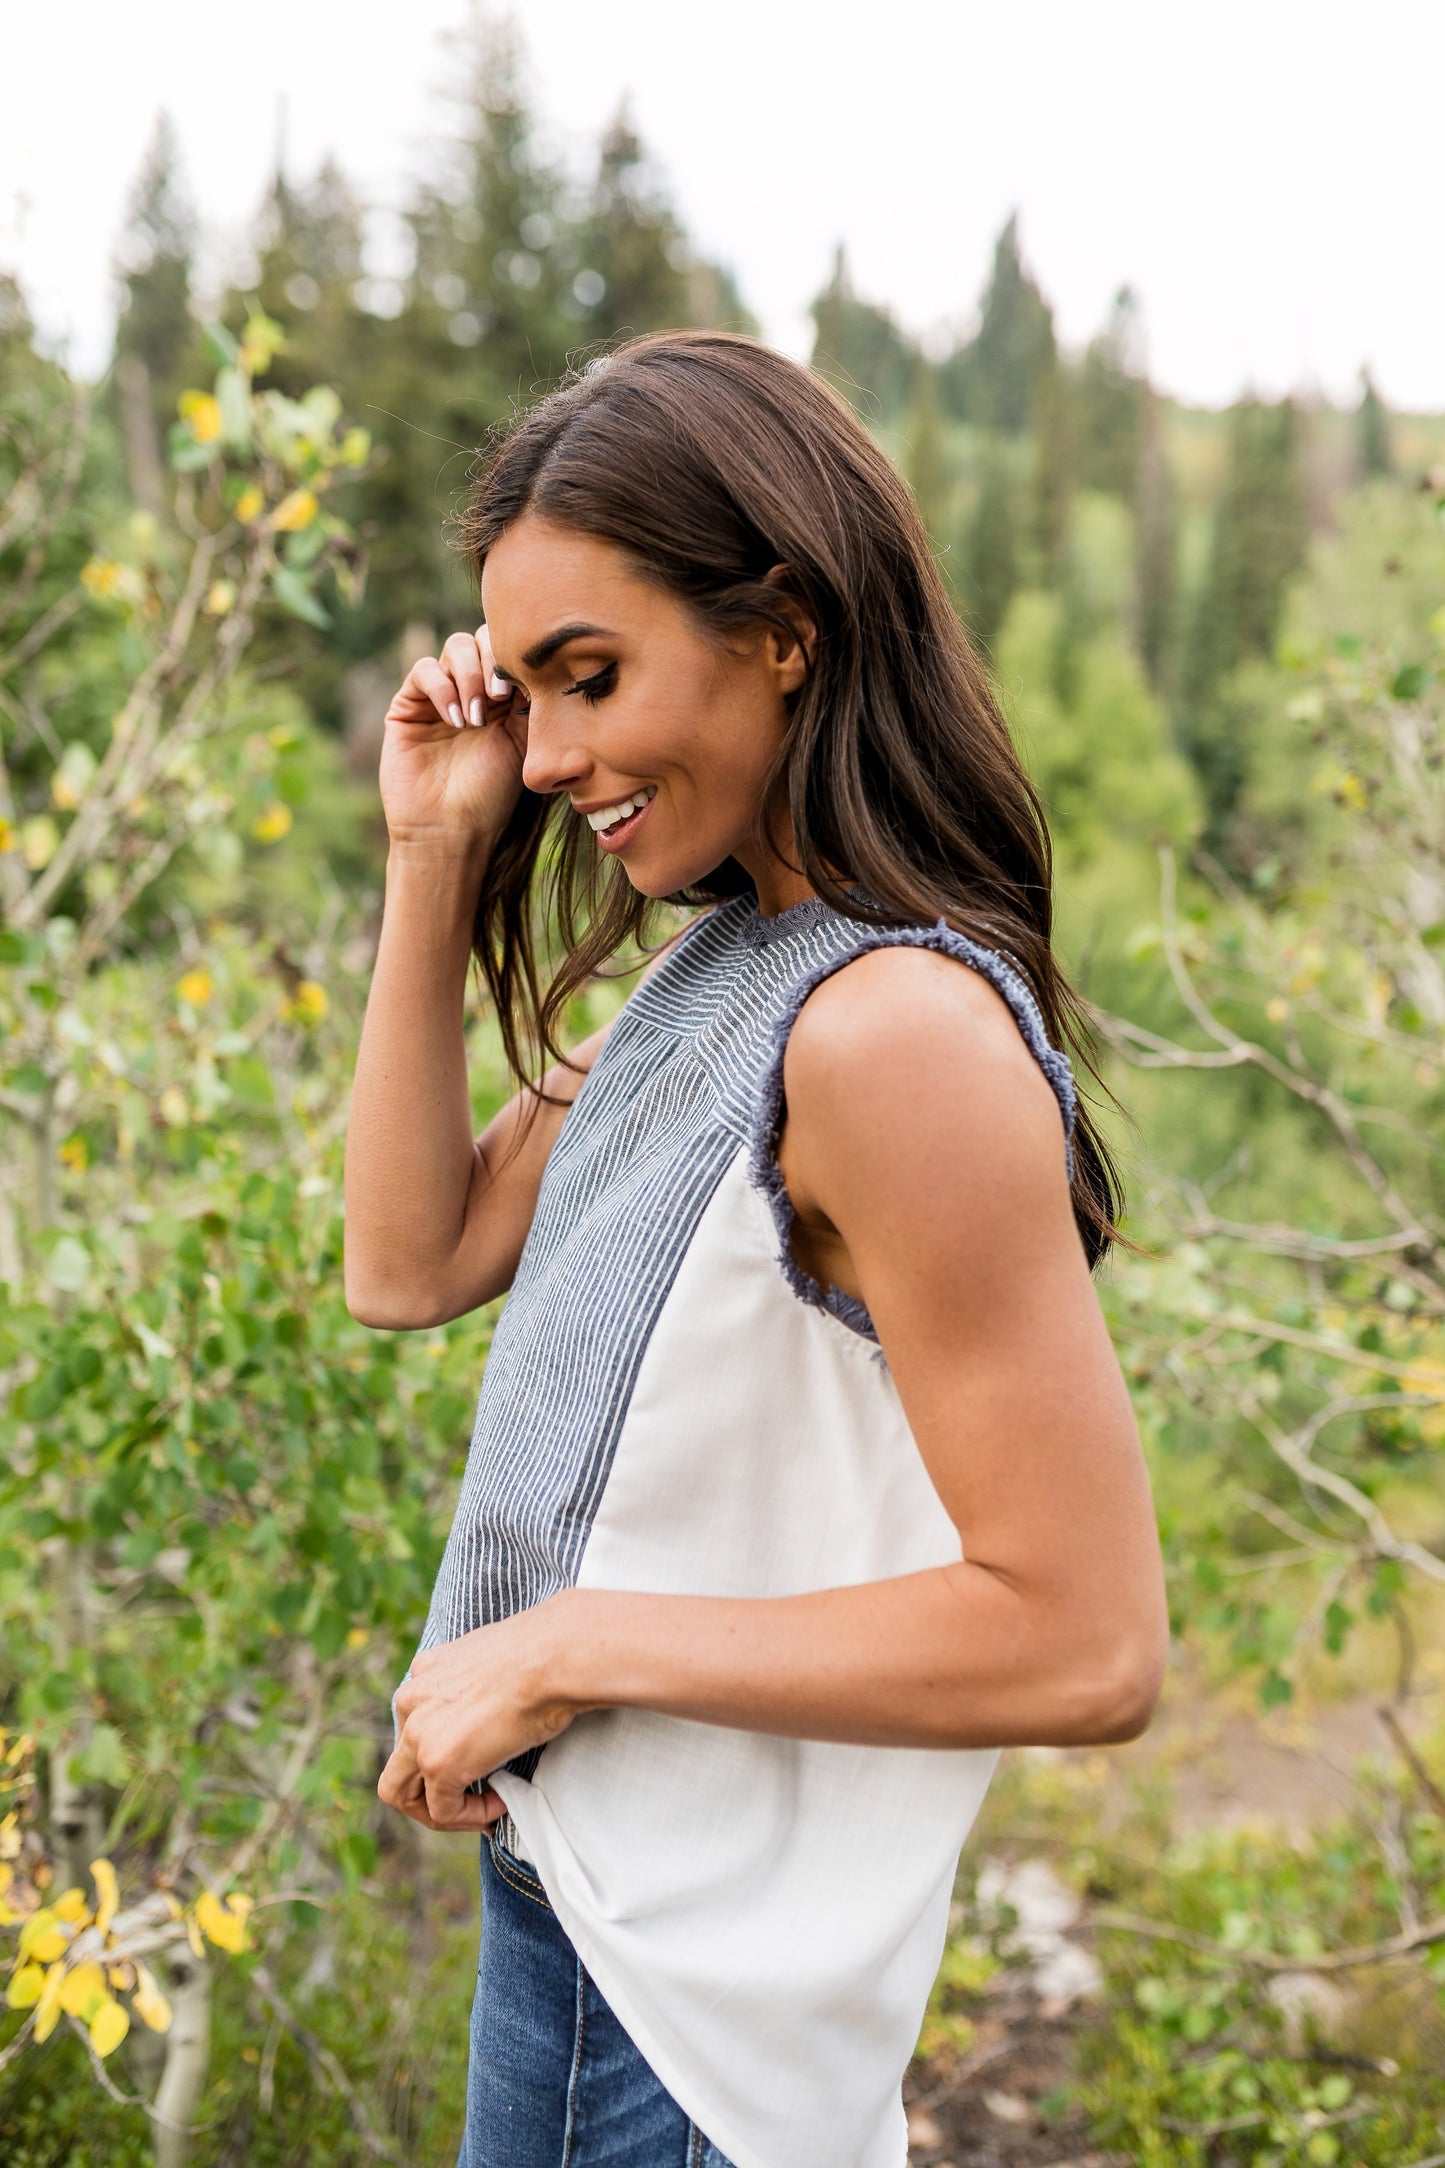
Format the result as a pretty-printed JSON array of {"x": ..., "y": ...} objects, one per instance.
[
  {"x": 357, "y": 1638},
  {"x": 220, "y": 598},
  {"x": 295, "y": 511},
  {"x": 41, "y": 1938},
  {"x": 75, "y": 1154},
  {"x": 175, "y": 1112},
  {"x": 203, "y": 411},
  {"x": 250, "y": 505},
  {"x": 109, "y": 2026},
  {"x": 262, "y": 339},
  {"x": 25, "y": 1985},
  {"x": 309, "y": 1003},
  {"x": 71, "y": 1905},
  {"x": 102, "y": 576},
  {"x": 82, "y": 1991},
  {"x": 225, "y": 1925},
  {"x": 149, "y": 2003},
  {"x": 47, "y": 2009},
  {"x": 107, "y": 1892},
  {"x": 39, "y": 841},
  {"x": 122, "y": 1975},
  {"x": 274, "y": 823},
  {"x": 1351, "y": 792},
  {"x": 356, "y": 447},
  {"x": 193, "y": 1936},
  {"x": 196, "y": 987},
  {"x": 7, "y": 834}
]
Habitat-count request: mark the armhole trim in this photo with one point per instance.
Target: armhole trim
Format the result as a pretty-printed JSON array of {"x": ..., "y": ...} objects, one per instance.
[{"x": 763, "y": 1170}]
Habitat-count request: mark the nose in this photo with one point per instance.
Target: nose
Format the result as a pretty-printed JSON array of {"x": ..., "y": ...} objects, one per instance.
[{"x": 553, "y": 761}]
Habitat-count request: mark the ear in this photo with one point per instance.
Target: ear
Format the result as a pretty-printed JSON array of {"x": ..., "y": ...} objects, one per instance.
[{"x": 791, "y": 659}]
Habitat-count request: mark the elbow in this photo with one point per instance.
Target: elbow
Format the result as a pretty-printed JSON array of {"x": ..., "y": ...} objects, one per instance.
[
  {"x": 390, "y": 1309},
  {"x": 1120, "y": 1697}
]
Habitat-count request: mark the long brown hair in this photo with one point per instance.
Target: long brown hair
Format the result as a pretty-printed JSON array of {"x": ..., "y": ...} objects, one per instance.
[{"x": 714, "y": 461}]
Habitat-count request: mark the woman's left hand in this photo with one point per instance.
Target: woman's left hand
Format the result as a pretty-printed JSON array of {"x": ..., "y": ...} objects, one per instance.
[{"x": 470, "y": 1706}]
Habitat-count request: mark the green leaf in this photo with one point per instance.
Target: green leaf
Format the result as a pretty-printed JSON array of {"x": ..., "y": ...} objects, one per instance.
[
  {"x": 235, "y": 410},
  {"x": 103, "y": 1760},
  {"x": 220, "y": 345},
  {"x": 1410, "y": 682},
  {"x": 1274, "y": 1688},
  {"x": 69, "y": 1265},
  {"x": 186, "y": 455},
  {"x": 294, "y": 594}
]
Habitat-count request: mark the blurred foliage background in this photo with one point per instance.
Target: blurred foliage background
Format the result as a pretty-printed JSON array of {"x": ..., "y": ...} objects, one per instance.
[{"x": 1221, "y": 638}]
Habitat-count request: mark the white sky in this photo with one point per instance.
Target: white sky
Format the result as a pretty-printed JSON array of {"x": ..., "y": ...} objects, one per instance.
[{"x": 1264, "y": 172}]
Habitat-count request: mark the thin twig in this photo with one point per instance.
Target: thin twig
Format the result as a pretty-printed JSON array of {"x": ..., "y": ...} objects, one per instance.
[
  {"x": 1417, "y": 1768},
  {"x": 135, "y": 2100},
  {"x": 1376, "y": 1953},
  {"x": 324, "y": 2063}
]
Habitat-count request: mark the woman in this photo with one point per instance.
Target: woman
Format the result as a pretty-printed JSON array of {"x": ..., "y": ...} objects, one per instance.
[{"x": 804, "y": 1476}]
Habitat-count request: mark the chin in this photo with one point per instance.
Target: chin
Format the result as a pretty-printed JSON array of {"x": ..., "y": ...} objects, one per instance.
[{"x": 673, "y": 880}]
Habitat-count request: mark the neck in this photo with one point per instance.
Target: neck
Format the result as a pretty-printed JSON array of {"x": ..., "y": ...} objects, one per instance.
[{"x": 779, "y": 883}]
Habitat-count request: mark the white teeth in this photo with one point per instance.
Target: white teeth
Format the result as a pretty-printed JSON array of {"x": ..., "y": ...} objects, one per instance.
[{"x": 610, "y": 815}]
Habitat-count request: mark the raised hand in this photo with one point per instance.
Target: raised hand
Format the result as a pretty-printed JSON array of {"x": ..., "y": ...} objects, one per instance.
[{"x": 451, "y": 762}]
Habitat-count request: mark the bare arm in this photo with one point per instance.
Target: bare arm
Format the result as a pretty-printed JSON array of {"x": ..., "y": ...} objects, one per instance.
[
  {"x": 435, "y": 1220},
  {"x": 922, "y": 1132}
]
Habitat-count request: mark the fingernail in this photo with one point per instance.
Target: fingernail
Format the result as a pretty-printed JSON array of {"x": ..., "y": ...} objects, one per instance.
[
  {"x": 456, "y": 715},
  {"x": 498, "y": 687},
  {"x": 476, "y": 711}
]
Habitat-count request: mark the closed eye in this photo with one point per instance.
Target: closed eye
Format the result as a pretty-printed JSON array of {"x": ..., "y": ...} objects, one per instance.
[{"x": 598, "y": 686}]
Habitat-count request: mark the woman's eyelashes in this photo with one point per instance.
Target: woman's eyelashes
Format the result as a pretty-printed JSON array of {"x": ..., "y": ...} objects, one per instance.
[{"x": 598, "y": 686}]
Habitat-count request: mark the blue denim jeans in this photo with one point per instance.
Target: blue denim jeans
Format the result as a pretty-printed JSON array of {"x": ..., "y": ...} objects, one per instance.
[{"x": 554, "y": 2081}]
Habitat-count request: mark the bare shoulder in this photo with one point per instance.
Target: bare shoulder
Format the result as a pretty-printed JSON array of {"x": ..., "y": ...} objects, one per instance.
[{"x": 915, "y": 1024}]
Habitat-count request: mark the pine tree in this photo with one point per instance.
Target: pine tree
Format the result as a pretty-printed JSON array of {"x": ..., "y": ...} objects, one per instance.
[
  {"x": 309, "y": 251},
  {"x": 1111, "y": 392},
  {"x": 1156, "y": 544},
  {"x": 634, "y": 259},
  {"x": 1372, "y": 421},
  {"x": 924, "y": 461},
  {"x": 1052, "y": 479},
  {"x": 1258, "y": 542},
  {"x": 994, "y": 380},
  {"x": 861, "y": 350},
  {"x": 989, "y": 569},
  {"x": 493, "y": 264},
  {"x": 155, "y": 335}
]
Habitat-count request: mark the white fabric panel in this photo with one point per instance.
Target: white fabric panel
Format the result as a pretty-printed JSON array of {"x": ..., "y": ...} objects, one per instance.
[{"x": 766, "y": 1916}]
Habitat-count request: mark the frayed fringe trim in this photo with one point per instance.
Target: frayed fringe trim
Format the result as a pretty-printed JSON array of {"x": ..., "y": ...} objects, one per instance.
[{"x": 763, "y": 1170}]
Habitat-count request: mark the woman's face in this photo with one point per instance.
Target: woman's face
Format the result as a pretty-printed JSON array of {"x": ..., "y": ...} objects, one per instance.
[{"x": 657, "y": 735}]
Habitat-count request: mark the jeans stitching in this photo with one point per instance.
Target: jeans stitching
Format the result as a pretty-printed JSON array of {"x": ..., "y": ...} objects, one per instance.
[
  {"x": 694, "y": 2146},
  {"x": 576, "y": 2071},
  {"x": 512, "y": 1874}
]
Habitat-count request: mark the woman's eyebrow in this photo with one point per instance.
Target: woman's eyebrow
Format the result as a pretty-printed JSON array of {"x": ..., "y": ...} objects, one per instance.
[{"x": 539, "y": 655}]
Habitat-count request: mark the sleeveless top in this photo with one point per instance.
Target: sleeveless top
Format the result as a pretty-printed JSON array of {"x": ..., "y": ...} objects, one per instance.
[{"x": 672, "y": 1405}]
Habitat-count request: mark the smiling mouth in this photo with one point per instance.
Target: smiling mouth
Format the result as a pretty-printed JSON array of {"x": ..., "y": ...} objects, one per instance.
[{"x": 609, "y": 821}]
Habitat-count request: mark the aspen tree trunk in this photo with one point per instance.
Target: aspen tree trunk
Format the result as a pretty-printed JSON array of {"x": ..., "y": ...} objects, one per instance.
[
  {"x": 188, "y": 2055},
  {"x": 76, "y": 1822}
]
